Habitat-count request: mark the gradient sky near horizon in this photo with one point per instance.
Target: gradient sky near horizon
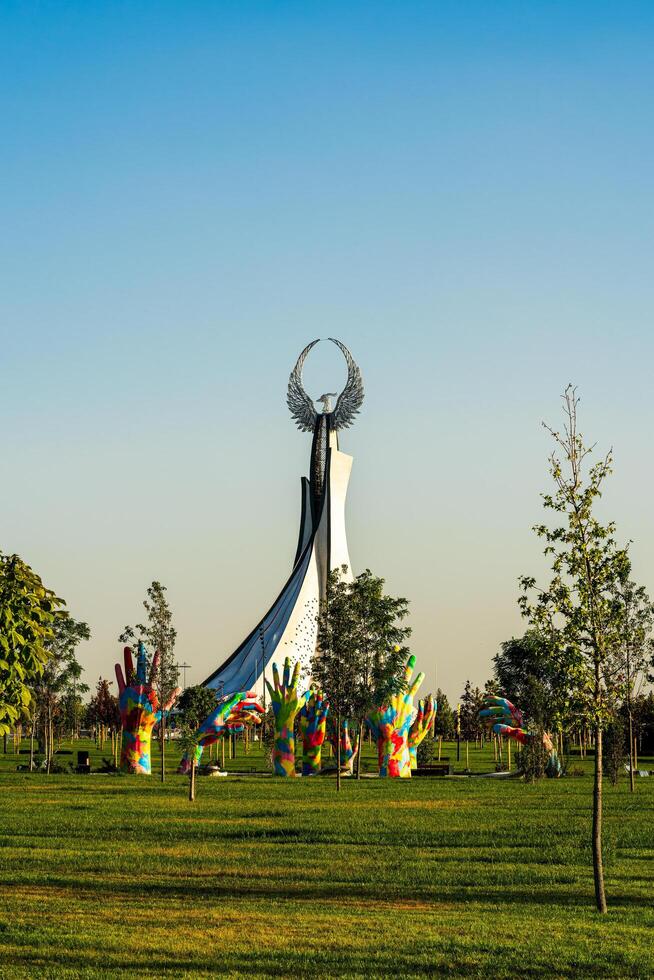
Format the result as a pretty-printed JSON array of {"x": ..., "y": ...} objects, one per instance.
[{"x": 461, "y": 192}]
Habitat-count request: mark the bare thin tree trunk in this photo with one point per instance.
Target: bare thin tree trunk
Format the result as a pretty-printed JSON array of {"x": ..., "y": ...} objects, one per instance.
[
  {"x": 358, "y": 759},
  {"x": 631, "y": 754},
  {"x": 32, "y": 748},
  {"x": 598, "y": 867},
  {"x": 162, "y": 731},
  {"x": 191, "y": 786},
  {"x": 48, "y": 743},
  {"x": 338, "y": 752}
]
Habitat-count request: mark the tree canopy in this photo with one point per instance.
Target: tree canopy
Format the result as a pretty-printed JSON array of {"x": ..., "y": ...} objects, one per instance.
[
  {"x": 577, "y": 607},
  {"x": 159, "y": 634},
  {"x": 361, "y": 643},
  {"x": 195, "y": 704},
  {"x": 28, "y": 611}
]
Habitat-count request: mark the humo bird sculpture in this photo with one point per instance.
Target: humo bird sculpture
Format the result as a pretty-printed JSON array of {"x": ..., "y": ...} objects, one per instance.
[{"x": 348, "y": 402}]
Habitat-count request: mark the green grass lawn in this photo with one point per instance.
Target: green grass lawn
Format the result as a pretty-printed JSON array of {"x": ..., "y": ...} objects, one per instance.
[{"x": 103, "y": 875}]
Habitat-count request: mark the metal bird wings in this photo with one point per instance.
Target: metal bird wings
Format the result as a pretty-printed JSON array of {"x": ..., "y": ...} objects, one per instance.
[
  {"x": 349, "y": 401},
  {"x": 301, "y": 406}
]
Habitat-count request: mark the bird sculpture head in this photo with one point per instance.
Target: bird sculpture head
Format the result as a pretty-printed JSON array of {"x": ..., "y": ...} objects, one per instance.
[{"x": 327, "y": 407}]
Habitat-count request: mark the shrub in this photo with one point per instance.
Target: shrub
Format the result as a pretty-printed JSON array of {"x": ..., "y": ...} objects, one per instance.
[
  {"x": 426, "y": 751},
  {"x": 533, "y": 758}
]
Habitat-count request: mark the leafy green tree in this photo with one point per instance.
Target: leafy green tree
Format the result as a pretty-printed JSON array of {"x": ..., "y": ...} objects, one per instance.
[
  {"x": 635, "y": 614},
  {"x": 380, "y": 638},
  {"x": 472, "y": 701},
  {"x": 336, "y": 666},
  {"x": 577, "y": 607},
  {"x": 60, "y": 682},
  {"x": 444, "y": 725},
  {"x": 102, "y": 709},
  {"x": 642, "y": 707},
  {"x": 195, "y": 704},
  {"x": 426, "y": 751},
  {"x": 27, "y": 615},
  {"x": 614, "y": 747},
  {"x": 531, "y": 673},
  {"x": 72, "y": 710},
  {"x": 159, "y": 634},
  {"x": 360, "y": 652},
  {"x": 533, "y": 756},
  {"x": 268, "y": 735}
]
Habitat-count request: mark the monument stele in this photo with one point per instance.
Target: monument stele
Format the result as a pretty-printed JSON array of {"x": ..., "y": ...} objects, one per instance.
[{"x": 289, "y": 627}]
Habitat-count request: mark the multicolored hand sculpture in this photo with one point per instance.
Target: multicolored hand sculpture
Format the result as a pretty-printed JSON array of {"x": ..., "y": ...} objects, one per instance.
[
  {"x": 390, "y": 723},
  {"x": 285, "y": 704},
  {"x": 231, "y": 715},
  {"x": 248, "y": 711},
  {"x": 501, "y": 711},
  {"x": 139, "y": 710},
  {"x": 420, "y": 726},
  {"x": 507, "y": 720},
  {"x": 313, "y": 725},
  {"x": 348, "y": 751}
]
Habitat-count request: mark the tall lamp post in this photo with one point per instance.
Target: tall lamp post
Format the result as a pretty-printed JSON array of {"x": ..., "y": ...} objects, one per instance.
[
  {"x": 184, "y": 667},
  {"x": 458, "y": 732},
  {"x": 263, "y": 671}
]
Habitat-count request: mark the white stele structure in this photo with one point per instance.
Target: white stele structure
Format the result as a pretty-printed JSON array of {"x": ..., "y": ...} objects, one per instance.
[{"x": 289, "y": 628}]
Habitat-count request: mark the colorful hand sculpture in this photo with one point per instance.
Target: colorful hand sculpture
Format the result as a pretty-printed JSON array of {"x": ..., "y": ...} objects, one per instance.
[
  {"x": 420, "y": 726},
  {"x": 516, "y": 734},
  {"x": 348, "y": 751},
  {"x": 500, "y": 710},
  {"x": 313, "y": 725},
  {"x": 285, "y": 704},
  {"x": 231, "y": 715},
  {"x": 139, "y": 710},
  {"x": 553, "y": 769},
  {"x": 508, "y": 721},
  {"x": 248, "y": 711},
  {"x": 390, "y": 727}
]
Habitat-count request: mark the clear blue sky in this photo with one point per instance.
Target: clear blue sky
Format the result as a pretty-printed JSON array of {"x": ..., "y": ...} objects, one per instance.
[{"x": 461, "y": 192}]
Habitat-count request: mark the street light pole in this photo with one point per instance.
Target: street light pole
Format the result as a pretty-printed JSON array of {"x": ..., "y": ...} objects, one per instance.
[{"x": 263, "y": 673}]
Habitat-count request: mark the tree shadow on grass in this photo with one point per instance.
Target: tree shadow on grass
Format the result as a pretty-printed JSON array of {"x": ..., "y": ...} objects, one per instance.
[{"x": 210, "y": 889}]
